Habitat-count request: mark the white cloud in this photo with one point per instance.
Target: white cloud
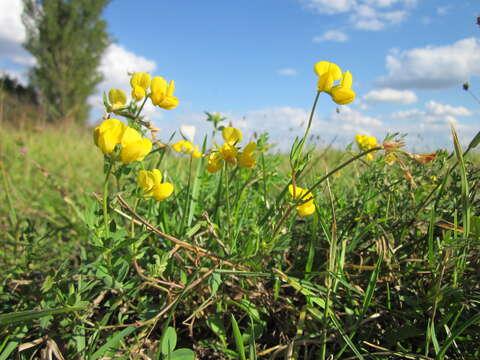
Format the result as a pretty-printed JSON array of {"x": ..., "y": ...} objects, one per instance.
[
  {"x": 353, "y": 118},
  {"x": 441, "y": 109},
  {"x": 434, "y": 114},
  {"x": 188, "y": 131},
  {"x": 390, "y": 96},
  {"x": 433, "y": 67},
  {"x": 287, "y": 72},
  {"x": 331, "y": 35},
  {"x": 13, "y": 34},
  {"x": 329, "y": 6},
  {"x": 443, "y": 10},
  {"x": 370, "y": 15},
  {"x": 11, "y": 26}
]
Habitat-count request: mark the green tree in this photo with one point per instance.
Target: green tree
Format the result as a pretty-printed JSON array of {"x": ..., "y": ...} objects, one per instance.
[{"x": 67, "y": 39}]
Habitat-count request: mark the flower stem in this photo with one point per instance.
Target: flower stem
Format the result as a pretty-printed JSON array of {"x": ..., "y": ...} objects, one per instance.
[{"x": 105, "y": 198}]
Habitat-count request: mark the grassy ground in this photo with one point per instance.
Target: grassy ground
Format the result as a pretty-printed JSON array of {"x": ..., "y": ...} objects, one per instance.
[{"x": 386, "y": 267}]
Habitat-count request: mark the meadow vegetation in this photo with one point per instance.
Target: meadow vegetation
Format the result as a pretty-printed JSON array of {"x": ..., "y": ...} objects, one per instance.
[{"x": 119, "y": 245}]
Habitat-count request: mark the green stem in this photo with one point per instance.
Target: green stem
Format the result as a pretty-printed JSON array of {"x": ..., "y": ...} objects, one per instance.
[
  {"x": 303, "y": 199},
  {"x": 105, "y": 198},
  {"x": 227, "y": 192}
]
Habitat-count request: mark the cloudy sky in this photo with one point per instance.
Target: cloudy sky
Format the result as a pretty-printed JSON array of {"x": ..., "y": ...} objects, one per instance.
[{"x": 253, "y": 62}]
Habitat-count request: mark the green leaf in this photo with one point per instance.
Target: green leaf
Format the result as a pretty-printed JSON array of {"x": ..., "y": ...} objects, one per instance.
[
  {"x": 238, "y": 338},
  {"x": 22, "y": 316},
  {"x": 183, "y": 354},
  {"x": 169, "y": 341},
  {"x": 113, "y": 343}
]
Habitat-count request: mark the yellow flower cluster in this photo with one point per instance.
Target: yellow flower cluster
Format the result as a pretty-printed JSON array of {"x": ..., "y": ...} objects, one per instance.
[
  {"x": 366, "y": 142},
  {"x": 113, "y": 132},
  {"x": 229, "y": 152},
  {"x": 161, "y": 92},
  {"x": 187, "y": 147},
  {"x": 152, "y": 185},
  {"x": 307, "y": 208},
  {"x": 328, "y": 73}
]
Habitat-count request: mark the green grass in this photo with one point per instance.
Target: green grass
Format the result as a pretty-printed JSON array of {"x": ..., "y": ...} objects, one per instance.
[{"x": 386, "y": 268}]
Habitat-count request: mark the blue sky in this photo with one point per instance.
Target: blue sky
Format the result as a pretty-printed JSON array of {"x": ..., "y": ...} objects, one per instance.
[{"x": 253, "y": 62}]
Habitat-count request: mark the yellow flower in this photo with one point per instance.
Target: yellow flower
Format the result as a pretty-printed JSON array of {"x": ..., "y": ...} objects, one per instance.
[
  {"x": 162, "y": 93},
  {"x": 196, "y": 153},
  {"x": 147, "y": 180},
  {"x": 328, "y": 73},
  {"x": 214, "y": 162},
  {"x": 150, "y": 182},
  {"x": 343, "y": 94},
  {"x": 140, "y": 82},
  {"x": 134, "y": 147},
  {"x": 307, "y": 208},
  {"x": 229, "y": 153},
  {"x": 186, "y": 147},
  {"x": 232, "y": 135},
  {"x": 245, "y": 158},
  {"x": 183, "y": 146},
  {"x": 117, "y": 99},
  {"x": 108, "y": 135},
  {"x": 366, "y": 142}
]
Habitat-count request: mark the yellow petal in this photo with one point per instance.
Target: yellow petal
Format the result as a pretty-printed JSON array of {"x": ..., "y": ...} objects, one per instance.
[
  {"x": 108, "y": 134},
  {"x": 158, "y": 84},
  {"x": 325, "y": 82},
  {"x": 323, "y": 67},
  {"x": 130, "y": 135},
  {"x": 214, "y": 162},
  {"x": 140, "y": 79},
  {"x": 306, "y": 209},
  {"x": 297, "y": 192},
  {"x": 135, "y": 151},
  {"x": 138, "y": 93},
  {"x": 157, "y": 175},
  {"x": 117, "y": 98},
  {"x": 250, "y": 148},
  {"x": 229, "y": 153},
  {"x": 146, "y": 180},
  {"x": 246, "y": 160},
  {"x": 162, "y": 191},
  {"x": 232, "y": 135},
  {"x": 196, "y": 154},
  {"x": 342, "y": 95},
  {"x": 168, "y": 103},
  {"x": 347, "y": 80},
  {"x": 177, "y": 147},
  {"x": 171, "y": 88}
]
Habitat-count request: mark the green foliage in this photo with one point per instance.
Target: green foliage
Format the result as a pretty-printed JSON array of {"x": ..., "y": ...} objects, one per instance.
[
  {"x": 67, "y": 39},
  {"x": 385, "y": 268}
]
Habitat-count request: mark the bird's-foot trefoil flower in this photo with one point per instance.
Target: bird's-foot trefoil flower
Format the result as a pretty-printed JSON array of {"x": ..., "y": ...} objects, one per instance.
[
  {"x": 245, "y": 158},
  {"x": 108, "y": 135},
  {"x": 140, "y": 82},
  {"x": 134, "y": 147},
  {"x": 214, "y": 162},
  {"x": 232, "y": 135},
  {"x": 117, "y": 99},
  {"x": 366, "y": 142},
  {"x": 152, "y": 185},
  {"x": 328, "y": 73},
  {"x": 162, "y": 93},
  {"x": 343, "y": 94},
  {"x": 308, "y": 207},
  {"x": 187, "y": 147}
]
